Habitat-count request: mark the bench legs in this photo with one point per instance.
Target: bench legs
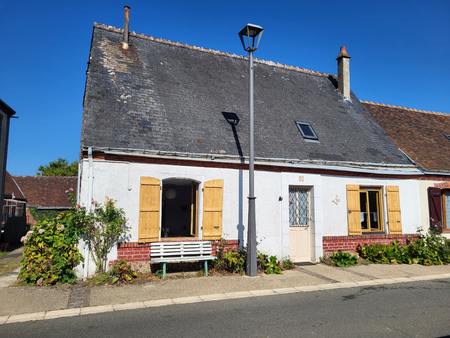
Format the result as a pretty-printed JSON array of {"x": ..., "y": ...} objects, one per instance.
[{"x": 164, "y": 269}]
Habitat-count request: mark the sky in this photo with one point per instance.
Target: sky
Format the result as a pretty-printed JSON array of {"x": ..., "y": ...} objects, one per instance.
[{"x": 400, "y": 54}]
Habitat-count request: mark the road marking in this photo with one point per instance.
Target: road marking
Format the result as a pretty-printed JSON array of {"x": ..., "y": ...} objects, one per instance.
[{"x": 206, "y": 298}]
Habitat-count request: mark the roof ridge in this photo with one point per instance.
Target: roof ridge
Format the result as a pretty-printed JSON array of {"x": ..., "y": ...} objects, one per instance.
[
  {"x": 404, "y": 108},
  {"x": 211, "y": 51}
]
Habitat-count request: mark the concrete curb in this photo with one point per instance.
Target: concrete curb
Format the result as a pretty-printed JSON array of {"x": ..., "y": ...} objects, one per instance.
[{"x": 45, "y": 315}]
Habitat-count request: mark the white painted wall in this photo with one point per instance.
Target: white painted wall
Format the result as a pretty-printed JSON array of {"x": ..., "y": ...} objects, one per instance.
[{"x": 120, "y": 181}]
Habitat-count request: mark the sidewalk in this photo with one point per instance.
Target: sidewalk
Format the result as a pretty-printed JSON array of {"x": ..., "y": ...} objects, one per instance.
[
  {"x": 9, "y": 267},
  {"x": 34, "y": 303}
]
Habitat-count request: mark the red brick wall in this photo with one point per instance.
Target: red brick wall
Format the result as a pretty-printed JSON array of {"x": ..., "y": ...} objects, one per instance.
[
  {"x": 140, "y": 252},
  {"x": 349, "y": 243}
]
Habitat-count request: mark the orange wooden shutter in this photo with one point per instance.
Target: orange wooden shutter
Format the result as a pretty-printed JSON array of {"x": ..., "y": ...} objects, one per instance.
[
  {"x": 353, "y": 210},
  {"x": 212, "y": 209},
  {"x": 149, "y": 209},
  {"x": 393, "y": 206}
]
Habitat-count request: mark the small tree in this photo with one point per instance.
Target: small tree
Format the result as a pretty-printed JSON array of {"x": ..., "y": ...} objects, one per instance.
[
  {"x": 107, "y": 226},
  {"x": 59, "y": 167}
]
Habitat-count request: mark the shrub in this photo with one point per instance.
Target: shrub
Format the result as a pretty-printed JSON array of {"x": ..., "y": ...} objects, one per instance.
[
  {"x": 343, "y": 259},
  {"x": 232, "y": 261},
  {"x": 120, "y": 272},
  {"x": 269, "y": 265},
  {"x": 287, "y": 264},
  {"x": 429, "y": 249},
  {"x": 106, "y": 226},
  {"x": 51, "y": 250},
  {"x": 235, "y": 261},
  {"x": 40, "y": 215}
]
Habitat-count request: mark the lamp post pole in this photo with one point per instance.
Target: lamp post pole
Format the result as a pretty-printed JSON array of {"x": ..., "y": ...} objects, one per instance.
[
  {"x": 250, "y": 36},
  {"x": 251, "y": 229}
]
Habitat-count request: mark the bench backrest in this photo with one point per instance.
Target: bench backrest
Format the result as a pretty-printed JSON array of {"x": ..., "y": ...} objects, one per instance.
[{"x": 180, "y": 249}]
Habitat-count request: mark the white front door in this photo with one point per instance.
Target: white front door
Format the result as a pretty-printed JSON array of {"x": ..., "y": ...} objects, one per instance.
[{"x": 300, "y": 223}]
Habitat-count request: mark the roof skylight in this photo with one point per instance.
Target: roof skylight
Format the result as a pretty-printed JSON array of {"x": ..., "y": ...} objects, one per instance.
[{"x": 306, "y": 130}]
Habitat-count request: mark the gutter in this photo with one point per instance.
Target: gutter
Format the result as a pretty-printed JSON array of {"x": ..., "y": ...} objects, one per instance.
[
  {"x": 378, "y": 168},
  {"x": 437, "y": 173}
]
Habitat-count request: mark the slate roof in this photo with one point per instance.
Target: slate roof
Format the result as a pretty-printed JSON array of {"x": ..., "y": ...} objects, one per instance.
[
  {"x": 165, "y": 96},
  {"x": 12, "y": 189},
  {"x": 47, "y": 191},
  {"x": 424, "y": 136}
]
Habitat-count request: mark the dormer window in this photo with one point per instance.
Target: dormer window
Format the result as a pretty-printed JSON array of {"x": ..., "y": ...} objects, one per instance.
[{"x": 306, "y": 130}]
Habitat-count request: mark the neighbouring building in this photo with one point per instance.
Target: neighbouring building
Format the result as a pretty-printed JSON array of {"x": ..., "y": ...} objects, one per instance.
[
  {"x": 46, "y": 195},
  {"x": 6, "y": 113},
  {"x": 14, "y": 224},
  {"x": 424, "y": 136},
  {"x": 165, "y": 134}
]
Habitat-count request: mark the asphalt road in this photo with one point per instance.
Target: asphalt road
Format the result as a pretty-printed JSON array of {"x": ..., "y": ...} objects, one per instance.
[{"x": 419, "y": 309}]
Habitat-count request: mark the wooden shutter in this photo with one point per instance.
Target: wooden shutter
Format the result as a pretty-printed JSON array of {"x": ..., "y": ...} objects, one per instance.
[
  {"x": 435, "y": 206},
  {"x": 393, "y": 209},
  {"x": 149, "y": 209},
  {"x": 353, "y": 210},
  {"x": 212, "y": 209}
]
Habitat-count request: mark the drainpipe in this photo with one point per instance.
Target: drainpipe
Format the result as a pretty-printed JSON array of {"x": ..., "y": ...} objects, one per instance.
[
  {"x": 90, "y": 178},
  {"x": 79, "y": 181},
  {"x": 89, "y": 207}
]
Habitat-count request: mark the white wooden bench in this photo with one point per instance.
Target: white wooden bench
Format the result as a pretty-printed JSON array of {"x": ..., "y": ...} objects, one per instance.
[{"x": 179, "y": 252}]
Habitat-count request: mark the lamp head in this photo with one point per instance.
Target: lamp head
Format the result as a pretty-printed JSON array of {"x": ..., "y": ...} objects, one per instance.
[
  {"x": 250, "y": 36},
  {"x": 231, "y": 118}
]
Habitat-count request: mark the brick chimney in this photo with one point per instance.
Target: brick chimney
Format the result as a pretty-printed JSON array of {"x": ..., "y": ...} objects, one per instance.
[
  {"x": 343, "y": 74},
  {"x": 126, "y": 10}
]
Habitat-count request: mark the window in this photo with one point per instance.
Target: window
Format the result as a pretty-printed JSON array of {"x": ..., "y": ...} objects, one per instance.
[
  {"x": 306, "y": 130},
  {"x": 299, "y": 210},
  {"x": 446, "y": 209},
  {"x": 371, "y": 209},
  {"x": 169, "y": 208},
  {"x": 439, "y": 208}
]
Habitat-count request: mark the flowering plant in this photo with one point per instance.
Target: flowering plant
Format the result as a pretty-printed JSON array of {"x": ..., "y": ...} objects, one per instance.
[
  {"x": 105, "y": 228},
  {"x": 51, "y": 250}
]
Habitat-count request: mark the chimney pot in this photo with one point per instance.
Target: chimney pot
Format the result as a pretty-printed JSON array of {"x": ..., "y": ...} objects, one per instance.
[
  {"x": 343, "y": 73},
  {"x": 126, "y": 10}
]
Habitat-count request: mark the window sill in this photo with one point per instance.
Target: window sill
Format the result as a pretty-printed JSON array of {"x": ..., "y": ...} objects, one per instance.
[{"x": 178, "y": 239}]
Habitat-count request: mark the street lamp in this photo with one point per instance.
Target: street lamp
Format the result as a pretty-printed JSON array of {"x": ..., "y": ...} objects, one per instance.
[{"x": 250, "y": 36}]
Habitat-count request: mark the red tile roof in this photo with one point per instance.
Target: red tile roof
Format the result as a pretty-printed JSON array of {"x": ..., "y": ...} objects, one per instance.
[
  {"x": 422, "y": 135},
  {"x": 12, "y": 189},
  {"x": 47, "y": 191}
]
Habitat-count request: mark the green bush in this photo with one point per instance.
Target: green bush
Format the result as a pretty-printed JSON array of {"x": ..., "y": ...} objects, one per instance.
[
  {"x": 40, "y": 215},
  {"x": 232, "y": 261},
  {"x": 51, "y": 250},
  {"x": 431, "y": 249},
  {"x": 287, "y": 264},
  {"x": 343, "y": 259},
  {"x": 120, "y": 272},
  {"x": 235, "y": 261},
  {"x": 269, "y": 265}
]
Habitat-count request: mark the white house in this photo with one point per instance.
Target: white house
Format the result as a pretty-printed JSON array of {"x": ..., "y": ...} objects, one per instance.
[{"x": 165, "y": 134}]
